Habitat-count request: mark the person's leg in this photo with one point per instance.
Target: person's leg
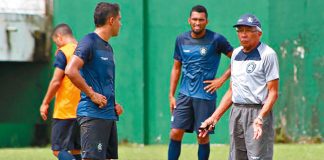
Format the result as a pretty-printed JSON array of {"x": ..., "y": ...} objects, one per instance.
[
  {"x": 204, "y": 148},
  {"x": 261, "y": 149},
  {"x": 238, "y": 148},
  {"x": 239, "y": 142},
  {"x": 56, "y": 153},
  {"x": 94, "y": 137},
  {"x": 181, "y": 122},
  {"x": 75, "y": 145},
  {"x": 176, "y": 136},
  {"x": 203, "y": 109},
  {"x": 231, "y": 129},
  {"x": 65, "y": 155},
  {"x": 76, "y": 154},
  {"x": 112, "y": 144},
  {"x": 60, "y": 138},
  {"x": 232, "y": 148}
]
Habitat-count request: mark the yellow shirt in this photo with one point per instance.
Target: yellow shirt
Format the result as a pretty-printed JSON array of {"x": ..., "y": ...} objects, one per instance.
[{"x": 67, "y": 96}]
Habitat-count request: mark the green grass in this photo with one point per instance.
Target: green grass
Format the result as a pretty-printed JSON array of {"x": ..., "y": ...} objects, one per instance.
[{"x": 159, "y": 152}]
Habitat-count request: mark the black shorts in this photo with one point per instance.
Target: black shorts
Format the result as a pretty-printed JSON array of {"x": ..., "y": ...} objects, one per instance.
[
  {"x": 65, "y": 134},
  {"x": 98, "y": 138}
]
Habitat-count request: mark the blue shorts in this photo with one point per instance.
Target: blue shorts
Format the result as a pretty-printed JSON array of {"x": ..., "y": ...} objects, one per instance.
[
  {"x": 191, "y": 112},
  {"x": 65, "y": 134},
  {"x": 98, "y": 138}
]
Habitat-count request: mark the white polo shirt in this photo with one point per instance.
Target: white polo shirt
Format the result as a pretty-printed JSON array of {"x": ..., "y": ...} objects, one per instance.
[{"x": 250, "y": 73}]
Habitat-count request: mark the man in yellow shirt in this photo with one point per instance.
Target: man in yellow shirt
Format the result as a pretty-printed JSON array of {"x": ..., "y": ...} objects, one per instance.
[{"x": 65, "y": 135}]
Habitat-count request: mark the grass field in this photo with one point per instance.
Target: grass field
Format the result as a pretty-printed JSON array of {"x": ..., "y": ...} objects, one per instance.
[{"x": 159, "y": 152}]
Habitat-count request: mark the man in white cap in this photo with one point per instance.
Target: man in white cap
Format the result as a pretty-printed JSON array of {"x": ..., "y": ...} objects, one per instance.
[{"x": 253, "y": 91}]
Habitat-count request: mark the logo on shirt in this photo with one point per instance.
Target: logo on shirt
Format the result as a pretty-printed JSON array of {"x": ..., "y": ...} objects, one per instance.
[
  {"x": 186, "y": 50},
  {"x": 255, "y": 158},
  {"x": 104, "y": 58},
  {"x": 203, "y": 51},
  {"x": 250, "y": 67}
]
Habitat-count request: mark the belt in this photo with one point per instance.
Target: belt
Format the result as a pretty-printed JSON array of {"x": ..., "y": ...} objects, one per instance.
[{"x": 247, "y": 105}]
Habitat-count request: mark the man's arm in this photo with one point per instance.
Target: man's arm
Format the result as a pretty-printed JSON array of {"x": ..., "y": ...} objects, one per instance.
[
  {"x": 53, "y": 86},
  {"x": 224, "y": 105},
  {"x": 216, "y": 83},
  {"x": 272, "y": 97},
  {"x": 73, "y": 72},
  {"x": 175, "y": 75},
  {"x": 229, "y": 54},
  {"x": 267, "y": 107}
]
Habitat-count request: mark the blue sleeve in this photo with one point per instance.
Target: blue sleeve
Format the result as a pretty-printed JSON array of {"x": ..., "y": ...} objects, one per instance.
[
  {"x": 177, "y": 53},
  {"x": 84, "y": 49},
  {"x": 60, "y": 60},
  {"x": 224, "y": 46}
]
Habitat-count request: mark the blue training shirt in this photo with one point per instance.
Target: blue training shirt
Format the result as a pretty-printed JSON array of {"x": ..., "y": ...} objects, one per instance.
[
  {"x": 60, "y": 60},
  {"x": 200, "y": 59},
  {"x": 99, "y": 73}
]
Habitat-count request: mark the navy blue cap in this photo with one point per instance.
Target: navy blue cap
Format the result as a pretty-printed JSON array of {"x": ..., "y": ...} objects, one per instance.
[{"x": 248, "y": 20}]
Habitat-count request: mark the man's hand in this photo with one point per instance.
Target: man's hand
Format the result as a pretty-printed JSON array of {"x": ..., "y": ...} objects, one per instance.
[
  {"x": 172, "y": 104},
  {"x": 206, "y": 126},
  {"x": 213, "y": 85},
  {"x": 119, "y": 109},
  {"x": 98, "y": 99},
  {"x": 257, "y": 127},
  {"x": 43, "y": 111}
]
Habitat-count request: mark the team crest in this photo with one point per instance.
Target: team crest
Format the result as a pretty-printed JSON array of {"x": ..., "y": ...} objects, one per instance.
[
  {"x": 250, "y": 67},
  {"x": 203, "y": 51},
  {"x": 99, "y": 147}
]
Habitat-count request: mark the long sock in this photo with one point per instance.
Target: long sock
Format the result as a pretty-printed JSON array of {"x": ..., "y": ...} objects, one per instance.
[
  {"x": 174, "y": 150},
  {"x": 64, "y": 155},
  {"x": 203, "y": 151},
  {"x": 77, "y": 156}
]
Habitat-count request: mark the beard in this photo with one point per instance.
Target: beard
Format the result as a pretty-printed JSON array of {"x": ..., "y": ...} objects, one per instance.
[{"x": 197, "y": 32}]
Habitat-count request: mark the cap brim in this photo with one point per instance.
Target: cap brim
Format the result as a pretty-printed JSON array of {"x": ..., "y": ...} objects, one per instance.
[{"x": 251, "y": 25}]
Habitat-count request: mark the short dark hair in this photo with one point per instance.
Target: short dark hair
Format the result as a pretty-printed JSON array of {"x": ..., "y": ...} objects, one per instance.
[
  {"x": 199, "y": 9},
  {"x": 63, "y": 29},
  {"x": 103, "y": 11}
]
